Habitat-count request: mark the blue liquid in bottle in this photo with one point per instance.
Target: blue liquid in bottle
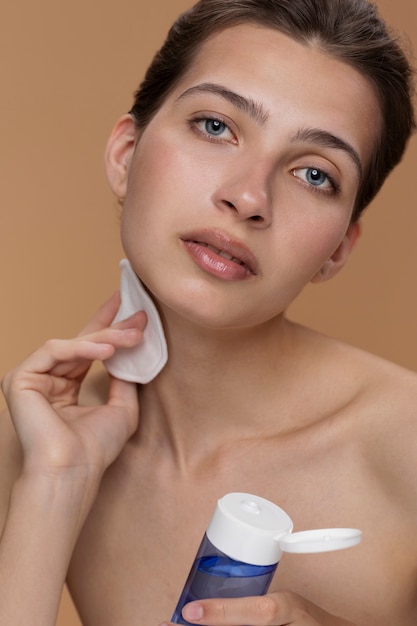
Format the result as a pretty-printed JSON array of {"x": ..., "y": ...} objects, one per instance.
[{"x": 215, "y": 575}]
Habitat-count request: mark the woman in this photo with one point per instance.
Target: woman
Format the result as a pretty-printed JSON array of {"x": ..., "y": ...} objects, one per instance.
[{"x": 261, "y": 131}]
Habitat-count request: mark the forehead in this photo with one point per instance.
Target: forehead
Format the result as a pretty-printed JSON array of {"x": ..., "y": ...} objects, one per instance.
[{"x": 293, "y": 81}]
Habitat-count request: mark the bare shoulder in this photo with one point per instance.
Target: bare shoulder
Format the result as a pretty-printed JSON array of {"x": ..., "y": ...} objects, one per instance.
[
  {"x": 387, "y": 391},
  {"x": 384, "y": 414},
  {"x": 376, "y": 401},
  {"x": 376, "y": 415},
  {"x": 381, "y": 388}
]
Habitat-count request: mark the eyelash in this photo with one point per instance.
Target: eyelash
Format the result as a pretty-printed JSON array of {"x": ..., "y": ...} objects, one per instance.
[
  {"x": 334, "y": 187},
  {"x": 195, "y": 122}
]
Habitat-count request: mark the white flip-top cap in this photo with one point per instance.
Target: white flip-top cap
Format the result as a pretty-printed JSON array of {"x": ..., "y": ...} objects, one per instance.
[
  {"x": 254, "y": 530},
  {"x": 320, "y": 540},
  {"x": 245, "y": 528}
]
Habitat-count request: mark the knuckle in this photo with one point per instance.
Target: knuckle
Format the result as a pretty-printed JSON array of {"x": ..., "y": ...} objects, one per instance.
[
  {"x": 4, "y": 383},
  {"x": 267, "y": 609},
  {"x": 219, "y": 608},
  {"x": 10, "y": 382},
  {"x": 294, "y": 604},
  {"x": 51, "y": 344}
]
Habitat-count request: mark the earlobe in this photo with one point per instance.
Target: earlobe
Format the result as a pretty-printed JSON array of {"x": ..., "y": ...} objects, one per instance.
[
  {"x": 338, "y": 259},
  {"x": 118, "y": 155}
]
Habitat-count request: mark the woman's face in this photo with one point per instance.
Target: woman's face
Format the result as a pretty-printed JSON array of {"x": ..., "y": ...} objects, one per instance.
[{"x": 241, "y": 189}]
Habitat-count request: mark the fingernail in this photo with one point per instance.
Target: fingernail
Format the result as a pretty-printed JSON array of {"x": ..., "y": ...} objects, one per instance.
[
  {"x": 193, "y": 611},
  {"x": 140, "y": 312}
]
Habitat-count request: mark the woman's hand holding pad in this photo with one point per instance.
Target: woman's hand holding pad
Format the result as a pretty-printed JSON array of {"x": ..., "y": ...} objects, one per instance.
[
  {"x": 66, "y": 449},
  {"x": 57, "y": 434}
]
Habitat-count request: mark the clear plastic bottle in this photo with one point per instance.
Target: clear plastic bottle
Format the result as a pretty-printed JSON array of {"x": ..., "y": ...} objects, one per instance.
[
  {"x": 242, "y": 546},
  {"x": 215, "y": 575}
]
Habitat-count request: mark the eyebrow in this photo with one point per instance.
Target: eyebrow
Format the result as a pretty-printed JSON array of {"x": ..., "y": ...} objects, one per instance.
[
  {"x": 328, "y": 140},
  {"x": 254, "y": 109}
]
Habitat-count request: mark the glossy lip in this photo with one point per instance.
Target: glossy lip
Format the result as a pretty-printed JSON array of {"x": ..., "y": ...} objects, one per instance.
[{"x": 224, "y": 244}]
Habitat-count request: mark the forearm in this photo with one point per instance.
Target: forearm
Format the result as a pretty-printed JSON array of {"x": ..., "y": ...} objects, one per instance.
[
  {"x": 43, "y": 522},
  {"x": 66, "y": 447}
]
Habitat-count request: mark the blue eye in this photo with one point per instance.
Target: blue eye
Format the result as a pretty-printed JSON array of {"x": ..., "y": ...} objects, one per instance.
[
  {"x": 214, "y": 127},
  {"x": 315, "y": 178}
]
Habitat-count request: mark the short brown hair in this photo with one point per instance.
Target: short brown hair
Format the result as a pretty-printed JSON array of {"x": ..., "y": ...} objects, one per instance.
[{"x": 349, "y": 30}]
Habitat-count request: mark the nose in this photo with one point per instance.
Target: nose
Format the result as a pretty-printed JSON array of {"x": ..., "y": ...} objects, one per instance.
[{"x": 246, "y": 191}]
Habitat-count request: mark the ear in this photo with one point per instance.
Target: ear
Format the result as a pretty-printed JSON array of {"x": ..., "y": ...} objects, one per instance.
[
  {"x": 118, "y": 155},
  {"x": 340, "y": 256}
]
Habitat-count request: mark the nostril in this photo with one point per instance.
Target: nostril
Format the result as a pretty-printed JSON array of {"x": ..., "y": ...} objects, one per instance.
[{"x": 246, "y": 210}]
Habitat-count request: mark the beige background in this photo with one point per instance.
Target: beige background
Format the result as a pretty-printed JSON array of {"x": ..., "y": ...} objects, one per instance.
[{"x": 68, "y": 70}]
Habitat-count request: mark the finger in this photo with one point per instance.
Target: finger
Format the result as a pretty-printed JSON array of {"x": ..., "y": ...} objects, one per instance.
[
  {"x": 106, "y": 314},
  {"x": 117, "y": 421},
  {"x": 60, "y": 357},
  {"x": 115, "y": 337},
  {"x": 70, "y": 358},
  {"x": 269, "y": 610},
  {"x": 137, "y": 320},
  {"x": 125, "y": 394},
  {"x": 52, "y": 353}
]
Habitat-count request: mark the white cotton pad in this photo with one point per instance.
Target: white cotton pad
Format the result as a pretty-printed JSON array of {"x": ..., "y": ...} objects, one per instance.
[{"x": 143, "y": 362}]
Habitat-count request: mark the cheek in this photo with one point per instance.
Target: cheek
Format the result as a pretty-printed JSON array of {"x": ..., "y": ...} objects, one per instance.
[
  {"x": 159, "y": 191},
  {"x": 161, "y": 165},
  {"x": 167, "y": 184},
  {"x": 313, "y": 243},
  {"x": 151, "y": 185},
  {"x": 151, "y": 167}
]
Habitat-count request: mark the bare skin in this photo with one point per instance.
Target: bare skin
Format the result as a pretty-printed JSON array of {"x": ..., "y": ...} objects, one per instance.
[
  {"x": 248, "y": 401},
  {"x": 351, "y": 466}
]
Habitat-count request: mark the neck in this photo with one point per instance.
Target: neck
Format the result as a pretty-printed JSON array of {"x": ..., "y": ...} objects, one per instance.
[{"x": 220, "y": 385}]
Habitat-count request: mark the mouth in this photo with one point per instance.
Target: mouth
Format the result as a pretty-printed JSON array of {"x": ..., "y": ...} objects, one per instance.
[
  {"x": 222, "y": 253},
  {"x": 217, "y": 252}
]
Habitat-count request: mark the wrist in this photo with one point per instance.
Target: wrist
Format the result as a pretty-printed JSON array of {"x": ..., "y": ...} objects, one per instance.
[
  {"x": 65, "y": 496},
  {"x": 43, "y": 521}
]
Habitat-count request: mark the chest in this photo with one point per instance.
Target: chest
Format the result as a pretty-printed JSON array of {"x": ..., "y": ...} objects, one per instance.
[{"x": 136, "y": 549}]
